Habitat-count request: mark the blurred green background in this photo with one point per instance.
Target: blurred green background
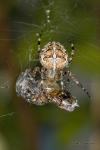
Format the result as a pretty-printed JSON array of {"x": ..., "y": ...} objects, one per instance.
[{"x": 28, "y": 127}]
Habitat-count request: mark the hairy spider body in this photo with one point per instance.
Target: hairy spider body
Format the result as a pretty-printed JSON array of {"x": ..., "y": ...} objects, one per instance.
[
  {"x": 53, "y": 56},
  {"x": 49, "y": 83}
]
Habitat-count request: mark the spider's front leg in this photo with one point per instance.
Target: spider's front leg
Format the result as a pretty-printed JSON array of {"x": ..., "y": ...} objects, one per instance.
[
  {"x": 38, "y": 41},
  {"x": 71, "y": 76},
  {"x": 72, "y": 53},
  {"x": 39, "y": 35}
]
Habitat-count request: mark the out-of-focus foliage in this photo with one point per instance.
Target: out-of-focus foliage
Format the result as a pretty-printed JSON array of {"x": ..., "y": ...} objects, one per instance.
[{"x": 46, "y": 127}]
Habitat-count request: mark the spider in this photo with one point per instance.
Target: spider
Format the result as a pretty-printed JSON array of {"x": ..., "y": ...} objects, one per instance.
[{"x": 48, "y": 83}]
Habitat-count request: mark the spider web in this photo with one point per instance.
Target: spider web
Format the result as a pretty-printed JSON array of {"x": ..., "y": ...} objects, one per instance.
[{"x": 25, "y": 25}]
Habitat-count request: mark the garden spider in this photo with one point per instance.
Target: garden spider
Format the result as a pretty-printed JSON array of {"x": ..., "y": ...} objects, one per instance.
[{"x": 47, "y": 83}]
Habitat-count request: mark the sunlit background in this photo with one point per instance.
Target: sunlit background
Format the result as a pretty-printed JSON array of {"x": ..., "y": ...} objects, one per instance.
[{"x": 24, "y": 126}]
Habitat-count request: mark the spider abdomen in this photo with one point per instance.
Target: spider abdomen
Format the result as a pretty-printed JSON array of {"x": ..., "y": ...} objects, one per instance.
[{"x": 53, "y": 56}]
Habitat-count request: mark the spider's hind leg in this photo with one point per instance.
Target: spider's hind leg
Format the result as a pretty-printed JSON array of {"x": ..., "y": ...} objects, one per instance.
[{"x": 78, "y": 83}]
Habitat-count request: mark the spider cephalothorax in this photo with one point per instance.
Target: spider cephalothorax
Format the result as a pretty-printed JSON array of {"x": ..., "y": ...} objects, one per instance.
[{"x": 53, "y": 56}]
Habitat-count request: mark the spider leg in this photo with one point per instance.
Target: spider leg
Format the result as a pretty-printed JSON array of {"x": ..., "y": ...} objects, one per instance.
[
  {"x": 38, "y": 41},
  {"x": 64, "y": 84},
  {"x": 72, "y": 53},
  {"x": 47, "y": 16},
  {"x": 39, "y": 35},
  {"x": 61, "y": 81},
  {"x": 78, "y": 83},
  {"x": 65, "y": 79}
]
